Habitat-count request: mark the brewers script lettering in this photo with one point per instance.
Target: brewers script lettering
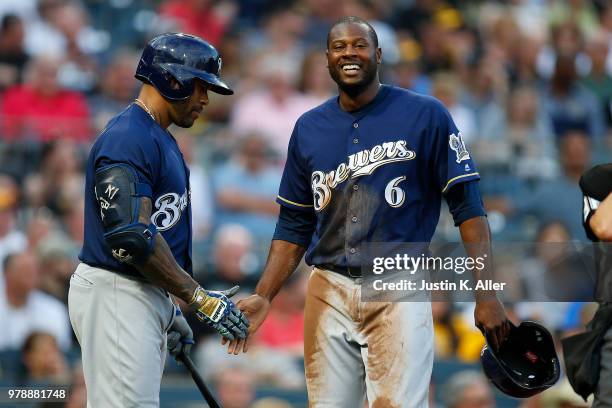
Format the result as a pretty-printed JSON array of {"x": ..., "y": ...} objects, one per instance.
[{"x": 359, "y": 164}]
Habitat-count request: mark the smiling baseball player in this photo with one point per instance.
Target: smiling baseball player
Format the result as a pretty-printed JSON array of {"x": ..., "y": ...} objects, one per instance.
[
  {"x": 370, "y": 165},
  {"x": 137, "y": 246}
]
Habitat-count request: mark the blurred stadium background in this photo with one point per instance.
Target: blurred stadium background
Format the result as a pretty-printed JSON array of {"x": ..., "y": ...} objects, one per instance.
[{"x": 529, "y": 83}]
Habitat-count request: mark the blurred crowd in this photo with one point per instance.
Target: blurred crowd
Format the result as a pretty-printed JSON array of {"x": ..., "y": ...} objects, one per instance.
[{"x": 528, "y": 82}]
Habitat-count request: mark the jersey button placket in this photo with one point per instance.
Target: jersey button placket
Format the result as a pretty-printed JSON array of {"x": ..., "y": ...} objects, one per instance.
[{"x": 352, "y": 228}]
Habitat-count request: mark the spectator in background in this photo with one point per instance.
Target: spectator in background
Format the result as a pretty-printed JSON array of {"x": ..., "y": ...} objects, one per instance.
[
  {"x": 314, "y": 81},
  {"x": 117, "y": 88},
  {"x": 58, "y": 184},
  {"x": 446, "y": 88},
  {"x": 42, "y": 35},
  {"x": 566, "y": 41},
  {"x": 468, "y": 389},
  {"x": 42, "y": 110},
  {"x": 57, "y": 262},
  {"x": 62, "y": 29},
  {"x": 559, "y": 198},
  {"x": 407, "y": 73},
  {"x": 272, "y": 109},
  {"x": 24, "y": 308},
  {"x": 11, "y": 239},
  {"x": 521, "y": 141},
  {"x": 524, "y": 65},
  {"x": 202, "y": 201},
  {"x": 455, "y": 338},
  {"x": 541, "y": 287},
  {"x": 73, "y": 221},
  {"x": 580, "y": 12},
  {"x": 43, "y": 360},
  {"x": 569, "y": 105},
  {"x": 485, "y": 91},
  {"x": 246, "y": 187},
  {"x": 321, "y": 14},
  {"x": 234, "y": 260},
  {"x": 278, "y": 42},
  {"x": 205, "y": 18},
  {"x": 78, "y": 70},
  {"x": 235, "y": 388},
  {"x": 283, "y": 330},
  {"x": 599, "y": 81},
  {"x": 13, "y": 57}
]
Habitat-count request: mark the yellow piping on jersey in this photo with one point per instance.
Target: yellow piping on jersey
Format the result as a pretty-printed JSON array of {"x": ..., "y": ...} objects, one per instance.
[
  {"x": 291, "y": 202},
  {"x": 458, "y": 177}
]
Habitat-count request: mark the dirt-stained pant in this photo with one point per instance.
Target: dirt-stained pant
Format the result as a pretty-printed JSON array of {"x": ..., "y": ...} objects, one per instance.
[
  {"x": 121, "y": 325},
  {"x": 353, "y": 348}
]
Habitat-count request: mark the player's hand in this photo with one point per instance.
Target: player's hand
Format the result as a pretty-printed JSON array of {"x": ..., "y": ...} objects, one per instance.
[
  {"x": 180, "y": 336},
  {"x": 256, "y": 308},
  {"x": 490, "y": 317},
  {"x": 219, "y": 312}
]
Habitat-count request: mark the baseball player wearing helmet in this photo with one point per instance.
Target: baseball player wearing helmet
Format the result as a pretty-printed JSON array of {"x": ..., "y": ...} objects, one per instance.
[
  {"x": 370, "y": 165},
  {"x": 137, "y": 246}
]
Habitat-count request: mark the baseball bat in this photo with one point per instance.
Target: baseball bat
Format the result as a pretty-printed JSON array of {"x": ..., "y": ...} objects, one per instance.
[{"x": 210, "y": 399}]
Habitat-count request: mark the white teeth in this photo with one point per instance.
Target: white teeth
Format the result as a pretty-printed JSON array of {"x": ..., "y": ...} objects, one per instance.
[{"x": 350, "y": 67}]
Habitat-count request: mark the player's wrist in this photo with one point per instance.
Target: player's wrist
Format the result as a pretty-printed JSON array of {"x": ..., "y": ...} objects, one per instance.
[
  {"x": 485, "y": 296},
  {"x": 213, "y": 307},
  {"x": 265, "y": 296}
]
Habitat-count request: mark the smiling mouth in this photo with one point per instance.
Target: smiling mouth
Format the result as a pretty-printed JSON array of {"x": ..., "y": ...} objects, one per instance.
[{"x": 351, "y": 68}]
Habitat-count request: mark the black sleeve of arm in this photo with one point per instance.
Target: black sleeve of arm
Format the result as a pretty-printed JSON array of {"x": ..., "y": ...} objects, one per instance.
[
  {"x": 464, "y": 201},
  {"x": 596, "y": 184},
  {"x": 295, "y": 226}
]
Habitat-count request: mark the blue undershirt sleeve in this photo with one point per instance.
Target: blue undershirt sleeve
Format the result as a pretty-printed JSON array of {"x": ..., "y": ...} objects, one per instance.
[{"x": 464, "y": 201}]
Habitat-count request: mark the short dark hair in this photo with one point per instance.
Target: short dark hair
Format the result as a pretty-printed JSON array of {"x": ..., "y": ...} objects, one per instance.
[
  {"x": 8, "y": 21},
  {"x": 6, "y": 262},
  {"x": 355, "y": 20}
]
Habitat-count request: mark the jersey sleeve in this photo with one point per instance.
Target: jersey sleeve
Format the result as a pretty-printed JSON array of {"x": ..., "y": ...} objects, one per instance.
[
  {"x": 596, "y": 184},
  {"x": 295, "y": 191},
  {"x": 140, "y": 153},
  {"x": 452, "y": 161}
]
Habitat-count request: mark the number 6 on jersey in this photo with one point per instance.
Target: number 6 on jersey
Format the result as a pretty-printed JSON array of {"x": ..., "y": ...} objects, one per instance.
[{"x": 393, "y": 194}]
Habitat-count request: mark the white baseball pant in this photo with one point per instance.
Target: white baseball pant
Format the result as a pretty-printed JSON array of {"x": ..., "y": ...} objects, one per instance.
[
  {"x": 121, "y": 325},
  {"x": 353, "y": 348}
]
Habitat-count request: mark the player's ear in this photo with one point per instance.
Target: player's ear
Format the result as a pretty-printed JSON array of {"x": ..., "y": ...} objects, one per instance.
[{"x": 378, "y": 55}]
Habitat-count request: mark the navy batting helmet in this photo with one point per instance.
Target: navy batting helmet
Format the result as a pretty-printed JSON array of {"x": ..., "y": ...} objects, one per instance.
[
  {"x": 526, "y": 362},
  {"x": 184, "y": 58}
]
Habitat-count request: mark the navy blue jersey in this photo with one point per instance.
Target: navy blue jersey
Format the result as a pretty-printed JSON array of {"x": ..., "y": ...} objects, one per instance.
[
  {"x": 134, "y": 138},
  {"x": 373, "y": 175}
]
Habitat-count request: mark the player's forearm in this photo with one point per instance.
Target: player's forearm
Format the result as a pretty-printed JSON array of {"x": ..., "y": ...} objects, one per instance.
[
  {"x": 283, "y": 258},
  {"x": 476, "y": 238},
  {"x": 601, "y": 221},
  {"x": 161, "y": 269}
]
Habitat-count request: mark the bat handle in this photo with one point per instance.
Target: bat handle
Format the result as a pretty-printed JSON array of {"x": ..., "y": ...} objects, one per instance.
[{"x": 210, "y": 399}]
